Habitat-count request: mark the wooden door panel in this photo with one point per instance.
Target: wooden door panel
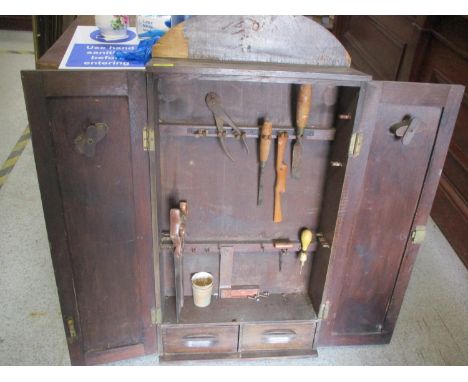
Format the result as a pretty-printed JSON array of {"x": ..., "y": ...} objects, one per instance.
[
  {"x": 393, "y": 182},
  {"x": 368, "y": 277},
  {"x": 99, "y": 217},
  {"x": 102, "y": 206}
]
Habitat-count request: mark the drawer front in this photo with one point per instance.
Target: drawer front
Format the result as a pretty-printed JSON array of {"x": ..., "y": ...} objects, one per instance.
[
  {"x": 277, "y": 336},
  {"x": 209, "y": 339}
]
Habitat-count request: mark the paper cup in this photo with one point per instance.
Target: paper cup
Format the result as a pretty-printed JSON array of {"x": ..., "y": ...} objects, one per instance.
[{"x": 202, "y": 286}]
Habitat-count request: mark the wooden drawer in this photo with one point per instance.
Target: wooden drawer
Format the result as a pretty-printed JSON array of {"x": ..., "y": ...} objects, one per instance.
[
  {"x": 277, "y": 336},
  {"x": 201, "y": 339}
]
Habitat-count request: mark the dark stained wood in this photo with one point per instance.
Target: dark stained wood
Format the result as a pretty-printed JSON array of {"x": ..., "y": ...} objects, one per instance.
[
  {"x": 444, "y": 134},
  {"x": 203, "y": 339},
  {"x": 371, "y": 268},
  {"x": 115, "y": 354},
  {"x": 256, "y": 72},
  {"x": 276, "y": 336},
  {"x": 51, "y": 196},
  {"x": 276, "y": 308},
  {"x": 433, "y": 49},
  {"x": 102, "y": 213},
  {"x": 172, "y": 359},
  {"x": 446, "y": 61}
]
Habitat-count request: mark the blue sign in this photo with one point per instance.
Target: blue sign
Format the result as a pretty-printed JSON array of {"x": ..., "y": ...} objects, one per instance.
[{"x": 100, "y": 56}]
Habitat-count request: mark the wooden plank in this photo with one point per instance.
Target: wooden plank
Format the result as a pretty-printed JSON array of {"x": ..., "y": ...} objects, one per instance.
[
  {"x": 51, "y": 195},
  {"x": 255, "y": 71},
  {"x": 146, "y": 279},
  {"x": 115, "y": 354},
  {"x": 76, "y": 83},
  {"x": 245, "y": 356},
  {"x": 285, "y": 39},
  {"x": 277, "y": 307}
]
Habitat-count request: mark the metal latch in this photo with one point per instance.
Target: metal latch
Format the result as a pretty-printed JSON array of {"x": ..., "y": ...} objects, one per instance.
[
  {"x": 355, "y": 144},
  {"x": 71, "y": 329},
  {"x": 418, "y": 235},
  {"x": 406, "y": 128},
  {"x": 148, "y": 139},
  {"x": 156, "y": 316},
  {"x": 323, "y": 311}
]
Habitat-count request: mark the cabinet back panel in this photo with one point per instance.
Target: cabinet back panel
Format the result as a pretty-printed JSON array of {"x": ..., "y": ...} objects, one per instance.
[{"x": 99, "y": 215}]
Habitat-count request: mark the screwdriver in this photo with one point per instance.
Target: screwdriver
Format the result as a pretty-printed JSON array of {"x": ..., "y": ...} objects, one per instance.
[
  {"x": 281, "y": 173},
  {"x": 265, "y": 141}
]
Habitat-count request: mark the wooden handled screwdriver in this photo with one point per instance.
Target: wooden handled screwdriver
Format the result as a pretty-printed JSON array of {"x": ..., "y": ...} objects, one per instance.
[
  {"x": 281, "y": 173},
  {"x": 265, "y": 141},
  {"x": 302, "y": 115}
]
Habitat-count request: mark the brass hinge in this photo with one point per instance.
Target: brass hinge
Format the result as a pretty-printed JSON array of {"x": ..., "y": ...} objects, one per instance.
[
  {"x": 71, "y": 329},
  {"x": 148, "y": 139},
  {"x": 156, "y": 316},
  {"x": 323, "y": 312},
  {"x": 418, "y": 235},
  {"x": 355, "y": 144}
]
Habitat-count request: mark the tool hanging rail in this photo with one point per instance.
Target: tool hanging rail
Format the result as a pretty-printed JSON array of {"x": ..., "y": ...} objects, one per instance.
[{"x": 202, "y": 131}]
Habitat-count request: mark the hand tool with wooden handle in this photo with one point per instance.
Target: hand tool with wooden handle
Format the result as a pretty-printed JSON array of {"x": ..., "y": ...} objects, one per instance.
[
  {"x": 265, "y": 141},
  {"x": 281, "y": 172},
  {"x": 306, "y": 238},
  {"x": 302, "y": 115},
  {"x": 177, "y": 234}
]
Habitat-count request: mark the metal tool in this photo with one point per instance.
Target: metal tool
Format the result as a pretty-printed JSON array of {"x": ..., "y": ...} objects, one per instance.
[
  {"x": 213, "y": 101},
  {"x": 306, "y": 238},
  {"x": 265, "y": 141},
  {"x": 302, "y": 115},
  {"x": 281, "y": 172},
  {"x": 283, "y": 246},
  {"x": 177, "y": 234},
  {"x": 259, "y": 295}
]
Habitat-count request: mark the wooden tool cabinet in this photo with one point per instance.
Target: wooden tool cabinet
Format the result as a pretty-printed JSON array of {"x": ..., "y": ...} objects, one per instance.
[{"x": 365, "y": 191}]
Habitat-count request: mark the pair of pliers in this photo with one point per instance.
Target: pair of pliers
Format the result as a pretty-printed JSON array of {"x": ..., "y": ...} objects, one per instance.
[{"x": 213, "y": 101}]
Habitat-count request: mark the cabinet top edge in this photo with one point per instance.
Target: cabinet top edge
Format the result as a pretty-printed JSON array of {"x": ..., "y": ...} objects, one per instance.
[{"x": 169, "y": 66}]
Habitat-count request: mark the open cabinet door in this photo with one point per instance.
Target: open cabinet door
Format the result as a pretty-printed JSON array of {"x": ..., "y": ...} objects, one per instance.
[
  {"x": 94, "y": 180},
  {"x": 372, "y": 257}
]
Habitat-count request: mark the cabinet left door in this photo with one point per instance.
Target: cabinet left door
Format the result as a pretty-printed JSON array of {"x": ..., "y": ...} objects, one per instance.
[{"x": 87, "y": 129}]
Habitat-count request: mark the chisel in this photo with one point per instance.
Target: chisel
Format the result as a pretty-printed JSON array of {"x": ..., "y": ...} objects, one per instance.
[
  {"x": 281, "y": 172},
  {"x": 302, "y": 115},
  {"x": 265, "y": 140}
]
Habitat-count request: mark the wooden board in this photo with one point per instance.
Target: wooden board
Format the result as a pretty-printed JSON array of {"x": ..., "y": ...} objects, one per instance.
[
  {"x": 281, "y": 39},
  {"x": 97, "y": 212},
  {"x": 277, "y": 307}
]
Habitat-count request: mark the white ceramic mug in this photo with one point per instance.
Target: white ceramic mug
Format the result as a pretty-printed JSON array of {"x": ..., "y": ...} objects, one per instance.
[{"x": 112, "y": 27}]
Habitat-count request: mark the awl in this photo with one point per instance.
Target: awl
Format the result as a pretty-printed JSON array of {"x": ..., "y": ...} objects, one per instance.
[
  {"x": 302, "y": 115},
  {"x": 281, "y": 172},
  {"x": 265, "y": 141}
]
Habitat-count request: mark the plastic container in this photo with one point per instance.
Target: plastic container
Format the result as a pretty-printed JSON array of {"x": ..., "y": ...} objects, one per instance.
[{"x": 202, "y": 287}]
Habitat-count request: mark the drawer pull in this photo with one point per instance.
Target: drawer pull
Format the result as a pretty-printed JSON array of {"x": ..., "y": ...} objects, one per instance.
[
  {"x": 278, "y": 336},
  {"x": 200, "y": 341}
]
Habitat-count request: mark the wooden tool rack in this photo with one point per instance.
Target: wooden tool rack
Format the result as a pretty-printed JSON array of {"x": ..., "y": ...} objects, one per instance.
[{"x": 365, "y": 190}]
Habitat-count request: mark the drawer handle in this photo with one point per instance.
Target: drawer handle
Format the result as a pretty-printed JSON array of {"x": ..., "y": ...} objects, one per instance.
[
  {"x": 278, "y": 336},
  {"x": 200, "y": 341},
  {"x": 85, "y": 142}
]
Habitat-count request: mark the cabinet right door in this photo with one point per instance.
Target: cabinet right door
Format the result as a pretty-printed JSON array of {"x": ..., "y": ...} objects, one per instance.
[{"x": 368, "y": 276}]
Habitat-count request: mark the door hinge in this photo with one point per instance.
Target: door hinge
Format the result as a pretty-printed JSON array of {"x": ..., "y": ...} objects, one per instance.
[
  {"x": 148, "y": 139},
  {"x": 156, "y": 316},
  {"x": 71, "y": 329},
  {"x": 323, "y": 311},
  {"x": 418, "y": 234},
  {"x": 355, "y": 144}
]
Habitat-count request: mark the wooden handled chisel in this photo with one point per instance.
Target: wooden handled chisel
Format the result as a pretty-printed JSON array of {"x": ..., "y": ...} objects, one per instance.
[
  {"x": 281, "y": 173},
  {"x": 265, "y": 141},
  {"x": 302, "y": 115}
]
